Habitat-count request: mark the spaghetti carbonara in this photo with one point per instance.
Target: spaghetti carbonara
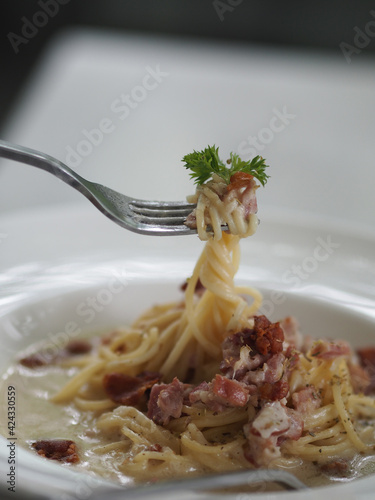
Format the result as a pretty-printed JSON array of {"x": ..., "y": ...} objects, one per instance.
[{"x": 207, "y": 383}]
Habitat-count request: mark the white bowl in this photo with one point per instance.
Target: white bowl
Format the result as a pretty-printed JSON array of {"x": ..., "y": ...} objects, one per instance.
[{"x": 51, "y": 262}]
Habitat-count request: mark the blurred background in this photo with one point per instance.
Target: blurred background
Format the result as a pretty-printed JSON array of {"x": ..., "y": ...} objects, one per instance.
[
  {"x": 318, "y": 25},
  {"x": 293, "y": 81}
]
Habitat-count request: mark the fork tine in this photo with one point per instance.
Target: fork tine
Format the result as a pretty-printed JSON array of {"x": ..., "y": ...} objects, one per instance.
[
  {"x": 159, "y": 220},
  {"x": 166, "y": 205},
  {"x": 161, "y": 212}
]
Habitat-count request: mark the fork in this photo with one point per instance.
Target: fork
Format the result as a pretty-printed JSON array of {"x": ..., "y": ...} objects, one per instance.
[
  {"x": 155, "y": 218},
  {"x": 219, "y": 483}
]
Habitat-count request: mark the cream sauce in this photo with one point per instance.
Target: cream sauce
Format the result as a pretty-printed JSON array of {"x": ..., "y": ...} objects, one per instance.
[{"x": 38, "y": 418}]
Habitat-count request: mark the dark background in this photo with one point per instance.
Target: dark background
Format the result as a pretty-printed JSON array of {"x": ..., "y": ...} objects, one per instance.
[{"x": 320, "y": 25}]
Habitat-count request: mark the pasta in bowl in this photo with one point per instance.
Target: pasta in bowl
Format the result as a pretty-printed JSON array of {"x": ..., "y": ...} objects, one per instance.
[{"x": 205, "y": 383}]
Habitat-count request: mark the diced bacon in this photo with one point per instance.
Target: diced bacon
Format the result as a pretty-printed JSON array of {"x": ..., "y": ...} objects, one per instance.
[
  {"x": 238, "y": 357},
  {"x": 336, "y": 468},
  {"x": 306, "y": 400},
  {"x": 367, "y": 360},
  {"x": 273, "y": 424},
  {"x": 44, "y": 357},
  {"x": 231, "y": 391},
  {"x": 327, "y": 350},
  {"x": 367, "y": 357},
  {"x": 36, "y": 360},
  {"x": 155, "y": 447},
  {"x": 295, "y": 426},
  {"x": 77, "y": 347},
  {"x": 57, "y": 449},
  {"x": 127, "y": 390},
  {"x": 260, "y": 452},
  {"x": 271, "y": 373},
  {"x": 191, "y": 220},
  {"x": 361, "y": 378},
  {"x": 292, "y": 334},
  {"x": 248, "y": 349},
  {"x": 202, "y": 395},
  {"x": 242, "y": 186},
  {"x": 275, "y": 391},
  {"x": 199, "y": 288},
  {"x": 292, "y": 359},
  {"x": 272, "y": 419},
  {"x": 219, "y": 394},
  {"x": 166, "y": 401},
  {"x": 267, "y": 337}
]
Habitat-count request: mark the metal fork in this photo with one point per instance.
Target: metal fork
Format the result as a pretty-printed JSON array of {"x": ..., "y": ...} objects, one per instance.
[
  {"x": 259, "y": 479},
  {"x": 154, "y": 218}
]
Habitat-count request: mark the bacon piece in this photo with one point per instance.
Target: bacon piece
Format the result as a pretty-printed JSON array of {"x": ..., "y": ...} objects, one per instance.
[
  {"x": 166, "y": 401},
  {"x": 242, "y": 186},
  {"x": 127, "y": 390},
  {"x": 232, "y": 392},
  {"x": 273, "y": 424},
  {"x": 77, "y": 347},
  {"x": 292, "y": 334},
  {"x": 275, "y": 391},
  {"x": 367, "y": 361},
  {"x": 306, "y": 400},
  {"x": 199, "y": 288},
  {"x": 155, "y": 447},
  {"x": 267, "y": 337},
  {"x": 360, "y": 379},
  {"x": 44, "y": 357},
  {"x": 336, "y": 468},
  {"x": 262, "y": 341},
  {"x": 203, "y": 396},
  {"x": 220, "y": 394},
  {"x": 63, "y": 450},
  {"x": 36, "y": 360},
  {"x": 191, "y": 220},
  {"x": 328, "y": 350},
  {"x": 367, "y": 357}
]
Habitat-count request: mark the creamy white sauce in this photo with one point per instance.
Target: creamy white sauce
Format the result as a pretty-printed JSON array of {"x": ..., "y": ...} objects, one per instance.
[{"x": 38, "y": 418}]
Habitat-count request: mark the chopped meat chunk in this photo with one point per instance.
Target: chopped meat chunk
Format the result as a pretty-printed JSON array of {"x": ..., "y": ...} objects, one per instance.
[
  {"x": 57, "y": 449},
  {"x": 260, "y": 342},
  {"x": 231, "y": 391},
  {"x": 77, "y": 347},
  {"x": 166, "y": 401},
  {"x": 324, "y": 349},
  {"x": 37, "y": 359},
  {"x": 306, "y": 400},
  {"x": 42, "y": 358},
  {"x": 128, "y": 390},
  {"x": 336, "y": 468},
  {"x": 292, "y": 334},
  {"x": 273, "y": 424}
]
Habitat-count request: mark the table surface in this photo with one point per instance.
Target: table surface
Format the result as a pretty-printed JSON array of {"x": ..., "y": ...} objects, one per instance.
[{"x": 123, "y": 110}]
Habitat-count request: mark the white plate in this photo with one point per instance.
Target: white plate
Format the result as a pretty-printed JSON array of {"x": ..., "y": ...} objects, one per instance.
[{"x": 52, "y": 261}]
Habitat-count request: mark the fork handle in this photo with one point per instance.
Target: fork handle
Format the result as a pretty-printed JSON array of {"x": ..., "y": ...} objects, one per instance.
[{"x": 45, "y": 162}]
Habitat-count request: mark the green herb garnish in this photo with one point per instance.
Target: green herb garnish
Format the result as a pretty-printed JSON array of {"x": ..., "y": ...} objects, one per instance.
[{"x": 203, "y": 164}]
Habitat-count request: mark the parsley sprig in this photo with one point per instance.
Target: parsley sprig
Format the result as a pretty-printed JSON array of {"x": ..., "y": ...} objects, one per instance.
[{"x": 203, "y": 164}]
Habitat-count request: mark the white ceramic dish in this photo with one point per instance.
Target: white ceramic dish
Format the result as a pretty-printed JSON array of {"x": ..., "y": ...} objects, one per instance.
[{"x": 51, "y": 262}]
